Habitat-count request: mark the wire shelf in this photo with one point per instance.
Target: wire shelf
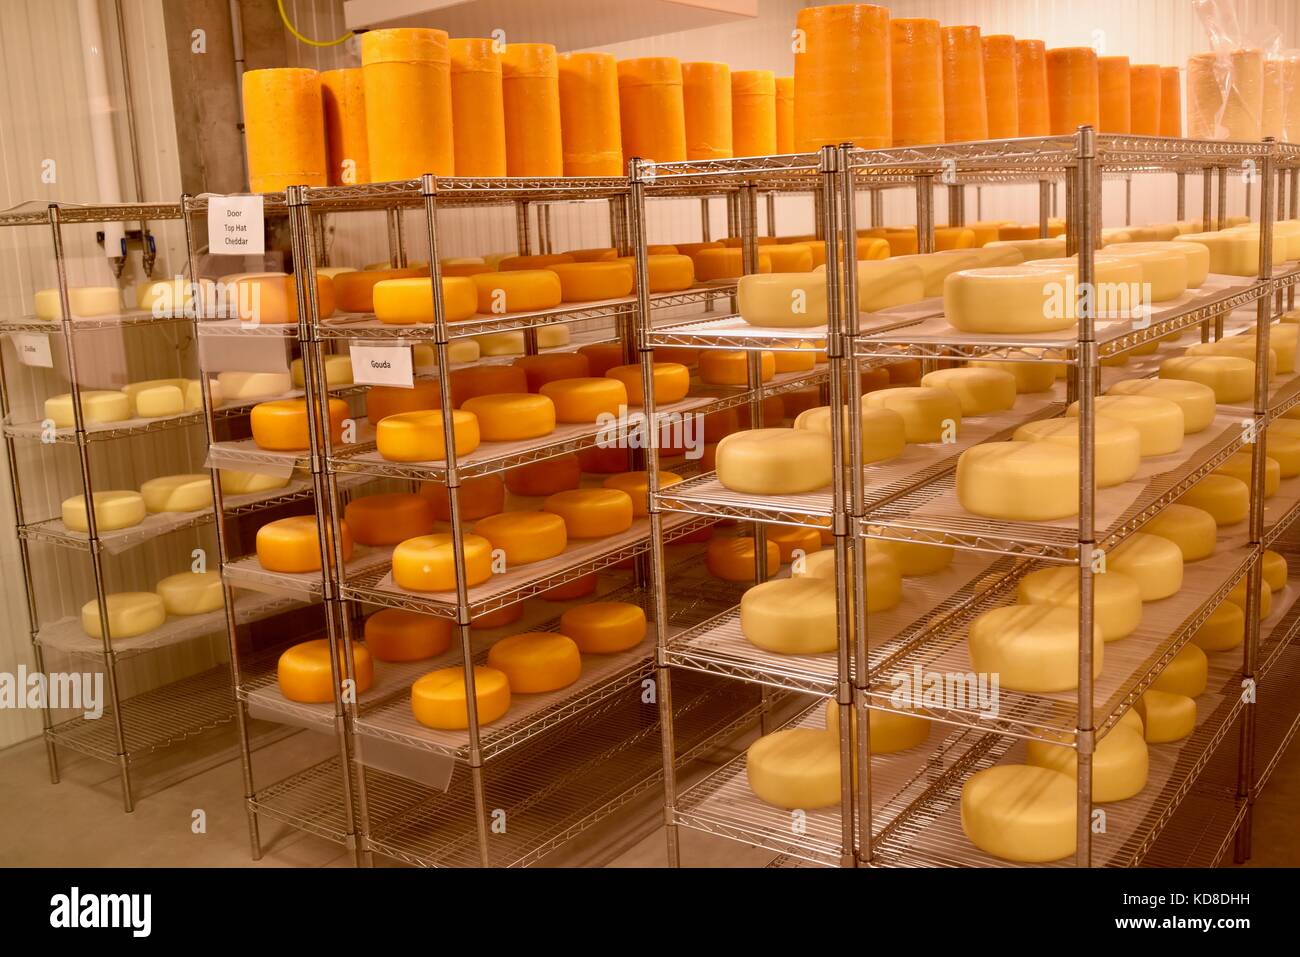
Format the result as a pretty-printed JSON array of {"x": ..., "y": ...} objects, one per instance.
[
  {"x": 102, "y": 431},
  {"x": 247, "y": 572},
  {"x": 131, "y": 319},
  {"x": 37, "y": 213}
]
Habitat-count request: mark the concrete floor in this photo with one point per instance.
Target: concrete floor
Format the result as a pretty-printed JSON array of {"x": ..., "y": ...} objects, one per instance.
[{"x": 79, "y": 822}]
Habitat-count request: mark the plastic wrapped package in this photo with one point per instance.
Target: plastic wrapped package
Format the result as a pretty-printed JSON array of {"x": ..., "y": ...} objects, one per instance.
[
  {"x": 1291, "y": 95},
  {"x": 1226, "y": 86}
]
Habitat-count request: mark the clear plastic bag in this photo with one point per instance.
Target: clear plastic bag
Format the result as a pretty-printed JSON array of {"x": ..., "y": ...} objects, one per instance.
[{"x": 1236, "y": 91}]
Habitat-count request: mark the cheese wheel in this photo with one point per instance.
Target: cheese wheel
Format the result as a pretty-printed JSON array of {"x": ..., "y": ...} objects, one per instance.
[
  {"x": 408, "y": 301},
  {"x": 1283, "y": 449},
  {"x": 980, "y": 391},
  {"x": 536, "y": 662},
  {"x": 84, "y": 302},
  {"x": 797, "y": 769},
  {"x": 732, "y": 559},
  {"x": 1165, "y": 716},
  {"x": 1029, "y": 377},
  {"x": 355, "y": 291},
  {"x": 548, "y": 476},
  {"x": 789, "y": 257},
  {"x": 1035, "y": 648},
  {"x": 1231, "y": 378},
  {"x": 1196, "y": 399},
  {"x": 304, "y": 674},
  {"x": 1238, "y": 597},
  {"x": 393, "y": 634},
  {"x": 1117, "y": 597},
  {"x": 732, "y": 368},
  {"x": 930, "y": 414},
  {"x": 651, "y": 109},
  {"x": 157, "y": 401},
  {"x": 244, "y": 483},
  {"x": 1224, "y": 630},
  {"x": 1226, "y": 499},
  {"x": 965, "y": 113},
  {"x": 534, "y": 263},
  {"x": 419, "y": 437},
  {"x": 178, "y": 493},
  {"x": 775, "y": 461},
  {"x": 477, "y": 108},
  {"x": 191, "y": 593},
  {"x": 512, "y": 343},
  {"x": 1197, "y": 256},
  {"x": 884, "y": 431},
  {"x": 1009, "y": 299},
  {"x": 601, "y": 357},
  {"x": 129, "y": 613},
  {"x": 790, "y": 616},
  {"x": 113, "y": 510},
  {"x": 479, "y": 496},
  {"x": 388, "y": 517},
  {"x": 549, "y": 366},
  {"x": 585, "y": 399},
  {"x": 637, "y": 485},
  {"x": 269, "y": 298},
  {"x": 97, "y": 407},
  {"x": 1274, "y": 568},
  {"x": 383, "y": 401},
  {"x": 1117, "y": 445},
  {"x": 1192, "y": 529},
  {"x": 713, "y": 264},
  {"x": 588, "y": 281},
  {"x": 1238, "y": 466},
  {"x": 252, "y": 385},
  {"x": 499, "y": 618},
  {"x": 592, "y": 512},
  {"x": 883, "y": 579},
  {"x": 292, "y": 545},
  {"x": 842, "y": 74},
  {"x": 589, "y": 120},
  {"x": 1019, "y": 481},
  {"x": 604, "y": 627},
  {"x": 427, "y": 562},
  {"x": 1119, "y": 763},
  {"x": 1159, "y": 421},
  {"x": 1114, "y": 109},
  {"x": 524, "y": 537},
  {"x": 913, "y": 558},
  {"x": 891, "y": 731},
  {"x": 1000, "y": 91},
  {"x": 1282, "y": 344},
  {"x": 512, "y": 416},
  {"x": 672, "y": 381},
  {"x": 485, "y": 380},
  {"x": 338, "y": 371},
  {"x": 1155, "y": 563},
  {"x": 1238, "y": 347},
  {"x": 1233, "y": 253},
  {"x": 667, "y": 272},
  {"x": 518, "y": 290},
  {"x": 1020, "y": 813},
  {"x": 802, "y": 358},
  {"x": 281, "y": 425},
  {"x": 794, "y": 543},
  {"x": 1073, "y": 92},
  {"x": 1185, "y": 674},
  {"x": 439, "y": 699}
]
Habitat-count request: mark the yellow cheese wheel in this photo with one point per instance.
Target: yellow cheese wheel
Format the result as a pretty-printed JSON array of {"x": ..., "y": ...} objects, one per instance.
[
  {"x": 884, "y": 431},
  {"x": 533, "y": 263},
  {"x": 1010, "y": 299},
  {"x": 355, "y": 291},
  {"x": 930, "y": 414},
  {"x": 604, "y": 627},
  {"x": 536, "y": 662},
  {"x": 1029, "y": 377},
  {"x": 338, "y": 371},
  {"x": 590, "y": 281},
  {"x": 383, "y": 401},
  {"x": 980, "y": 391},
  {"x": 485, "y": 380},
  {"x": 782, "y": 299},
  {"x": 549, "y": 475},
  {"x": 244, "y": 483},
  {"x": 438, "y": 699},
  {"x": 1282, "y": 448},
  {"x": 793, "y": 542},
  {"x": 1119, "y": 763},
  {"x": 1159, "y": 421},
  {"x": 1021, "y": 813},
  {"x": 292, "y": 544},
  {"x": 789, "y": 257},
  {"x": 1019, "y": 481},
  {"x": 1117, "y": 445},
  {"x": 1117, "y": 598},
  {"x": 1035, "y": 648},
  {"x": 251, "y": 385},
  {"x": 1231, "y": 378},
  {"x": 1238, "y": 597},
  {"x": 775, "y": 461},
  {"x": 1195, "y": 398},
  {"x": 790, "y": 616},
  {"x": 732, "y": 559},
  {"x": 499, "y": 618},
  {"x": 460, "y": 351},
  {"x": 130, "y": 613},
  {"x": 410, "y": 300},
  {"x": 672, "y": 381},
  {"x": 393, "y": 634},
  {"x": 1236, "y": 346},
  {"x": 522, "y": 290},
  {"x": 113, "y": 510},
  {"x": 883, "y": 579},
  {"x": 549, "y": 366},
  {"x": 1192, "y": 529},
  {"x": 178, "y": 493},
  {"x": 592, "y": 512},
  {"x": 281, "y": 425},
  {"x": 1155, "y": 563},
  {"x": 157, "y": 401},
  {"x": 913, "y": 558},
  {"x": 419, "y": 436},
  {"x": 801, "y": 358},
  {"x": 883, "y": 283},
  {"x": 714, "y": 264},
  {"x": 637, "y": 486},
  {"x": 388, "y": 518},
  {"x": 1239, "y": 467},
  {"x": 1224, "y": 630},
  {"x": 891, "y": 731},
  {"x": 1165, "y": 716},
  {"x": 1281, "y": 343},
  {"x": 512, "y": 416},
  {"x": 798, "y": 768},
  {"x": 524, "y": 537},
  {"x": 1226, "y": 499},
  {"x": 1233, "y": 253},
  {"x": 1275, "y": 570},
  {"x": 427, "y": 562},
  {"x": 479, "y": 496},
  {"x": 594, "y": 255},
  {"x": 97, "y": 407},
  {"x": 585, "y": 399},
  {"x": 1186, "y": 674},
  {"x": 304, "y": 673},
  {"x": 191, "y": 593},
  {"x": 84, "y": 302},
  {"x": 732, "y": 368},
  {"x": 1196, "y": 255},
  {"x": 667, "y": 271}
]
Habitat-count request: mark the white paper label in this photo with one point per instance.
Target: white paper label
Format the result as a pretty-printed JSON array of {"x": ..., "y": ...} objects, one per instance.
[
  {"x": 33, "y": 349},
  {"x": 236, "y": 225},
  {"x": 382, "y": 365}
]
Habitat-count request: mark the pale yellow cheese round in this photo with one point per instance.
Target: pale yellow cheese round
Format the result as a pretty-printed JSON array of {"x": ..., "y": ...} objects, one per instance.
[
  {"x": 883, "y": 283},
  {"x": 934, "y": 269},
  {"x": 1020, "y": 813},
  {"x": 84, "y": 302},
  {"x": 338, "y": 371},
  {"x": 1194, "y": 398},
  {"x": 883, "y": 578},
  {"x": 130, "y": 613},
  {"x": 1155, "y": 563},
  {"x": 113, "y": 510},
  {"x": 243, "y": 483},
  {"x": 1238, "y": 597},
  {"x": 1019, "y": 481},
  {"x": 1131, "y": 720},
  {"x": 913, "y": 558},
  {"x": 1119, "y": 763},
  {"x": 98, "y": 406},
  {"x": 790, "y": 616},
  {"x": 1231, "y": 253},
  {"x": 929, "y": 414},
  {"x": 789, "y": 300},
  {"x": 1239, "y": 467},
  {"x": 1158, "y": 421},
  {"x": 1196, "y": 254},
  {"x": 1166, "y": 717},
  {"x": 1231, "y": 378},
  {"x": 1192, "y": 529},
  {"x": 1237, "y": 347},
  {"x": 191, "y": 593},
  {"x": 884, "y": 432},
  {"x": 157, "y": 401},
  {"x": 1226, "y": 499},
  {"x": 461, "y": 350},
  {"x": 1186, "y": 674},
  {"x": 178, "y": 493},
  {"x": 1010, "y": 299},
  {"x": 1282, "y": 445},
  {"x": 891, "y": 731},
  {"x": 1164, "y": 271},
  {"x": 237, "y": 386},
  {"x": 1224, "y": 630},
  {"x": 160, "y": 394},
  {"x": 1117, "y": 445},
  {"x": 1034, "y": 648},
  {"x": 1274, "y": 569},
  {"x": 1030, "y": 376},
  {"x": 1282, "y": 344},
  {"x": 798, "y": 768},
  {"x": 774, "y": 461},
  {"x": 1117, "y": 599},
  {"x": 512, "y": 343},
  {"x": 980, "y": 391},
  {"x": 1120, "y": 290},
  {"x": 1031, "y": 249}
]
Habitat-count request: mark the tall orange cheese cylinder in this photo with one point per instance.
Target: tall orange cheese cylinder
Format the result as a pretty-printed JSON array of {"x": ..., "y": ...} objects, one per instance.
[
  {"x": 284, "y": 124},
  {"x": 1171, "y": 102},
  {"x": 706, "y": 101},
  {"x": 407, "y": 74},
  {"x": 753, "y": 112},
  {"x": 1144, "y": 98},
  {"x": 842, "y": 77},
  {"x": 785, "y": 114},
  {"x": 478, "y": 113},
  {"x": 1001, "y": 95},
  {"x": 343, "y": 95},
  {"x": 651, "y": 111},
  {"x": 530, "y": 86},
  {"x": 589, "y": 117},
  {"x": 965, "y": 108},
  {"x": 1114, "y": 111},
  {"x": 1031, "y": 88},
  {"x": 1072, "y": 88},
  {"x": 916, "y": 62}
]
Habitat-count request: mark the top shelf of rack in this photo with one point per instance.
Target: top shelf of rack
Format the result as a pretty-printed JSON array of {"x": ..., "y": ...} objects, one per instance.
[{"x": 36, "y": 213}]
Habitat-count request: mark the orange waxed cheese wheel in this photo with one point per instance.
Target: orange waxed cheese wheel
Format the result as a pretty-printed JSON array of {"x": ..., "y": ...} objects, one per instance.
[
  {"x": 1001, "y": 96},
  {"x": 651, "y": 109},
  {"x": 524, "y": 537},
  {"x": 418, "y": 436},
  {"x": 667, "y": 272},
  {"x": 512, "y": 416},
  {"x": 585, "y": 399},
  {"x": 427, "y": 562},
  {"x": 486, "y": 380},
  {"x": 589, "y": 120},
  {"x": 536, "y": 661},
  {"x": 690, "y": 249},
  {"x": 965, "y": 106},
  {"x": 954, "y": 237},
  {"x": 637, "y": 485},
  {"x": 388, "y": 517},
  {"x": 530, "y": 82},
  {"x": 661, "y": 249},
  {"x": 438, "y": 699},
  {"x": 1171, "y": 102},
  {"x": 304, "y": 673},
  {"x": 785, "y": 114},
  {"x": 604, "y": 627},
  {"x": 479, "y": 496},
  {"x": 393, "y": 634},
  {"x": 406, "y": 301},
  {"x": 917, "y": 64},
  {"x": 355, "y": 291},
  {"x": 284, "y": 125},
  {"x": 1031, "y": 88},
  {"x": 732, "y": 368},
  {"x": 789, "y": 257},
  {"x": 597, "y": 254},
  {"x": 1146, "y": 89},
  {"x": 579, "y": 587},
  {"x": 592, "y": 512},
  {"x": 549, "y": 366},
  {"x": 281, "y": 425},
  {"x": 477, "y": 108},
  {"x": 585, "y": 282},
  {"x": 603, "y": 461},
  {"x": 706, "y": 99},
  {"x": 753, "y": 112},
  {"x": 545, "y": 477},
  {"x": 790, "y": 539},
  {"x": 1073, "y": 94},
  {"x": 521, "y": 290},
  {"x": 407, "y": 76},
  {"x": 271, "y": 298},
  {"x": 1115, "y": 99},
  {"x": 385, "y": 400},
  {"x": 841, "y": 77},
  {"x": 499, "y": 618},
  {"x": 343, "y": 96},
  {"x": 540, "y": 261},
  {"x": 725, "y": 263},
  {"x": 292, "y": 545},
  {"x": 602, "y": 356},
  {"x": 672, "y": 381},
  {"x": 732, "y": 559}
]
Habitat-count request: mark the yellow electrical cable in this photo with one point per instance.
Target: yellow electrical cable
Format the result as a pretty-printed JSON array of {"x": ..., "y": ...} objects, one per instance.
[{"x": 308, "y": 40}]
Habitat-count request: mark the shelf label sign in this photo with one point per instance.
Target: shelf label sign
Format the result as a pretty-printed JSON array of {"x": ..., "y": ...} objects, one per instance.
[
  {"x": 382, "y": 365},
  {"x": 236, "y": 226},
  {"x": 33, "y": 349}
]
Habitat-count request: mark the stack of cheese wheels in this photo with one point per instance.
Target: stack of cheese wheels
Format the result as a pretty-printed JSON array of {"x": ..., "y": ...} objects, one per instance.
[
  {"x": 1117, "y": 598},
  {"x": 980, "y": 391},
  {"x": 1192, "y": 529},
  {"x": 1120, "y": 763},
  {"x": 930, "y": 414},
  {"x": 1010, "y": 299},
  {"x": 393, "y": 634},
  {"x": 191, "y": 593},
  {"x": 439, "y": 699},
  {"x": 1117, "y": 445},
  {"x": 1020, "y": 812},
  {"x": 1160, "y": 422},
  {"x": 1034, "y": 648},
  {"x": 427, "y": 562},
  {"x": 129, "y": 614},
  {"x": 775, "y": 461},
  {"x": 1019, "y": 481},
  {"x": 292, "y": 545},
  {"x": 305, "y": 673},
  {"x": 884, "y": 431},
  {"x": 1231, "y": 377}
]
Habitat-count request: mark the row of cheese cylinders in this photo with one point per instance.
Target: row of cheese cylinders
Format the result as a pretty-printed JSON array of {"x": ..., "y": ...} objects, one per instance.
[{"x": 1243, "y": 94}]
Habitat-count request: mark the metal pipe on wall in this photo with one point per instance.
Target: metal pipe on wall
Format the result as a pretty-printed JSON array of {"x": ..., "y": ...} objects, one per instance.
[{"x": 99, "y": 106}]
